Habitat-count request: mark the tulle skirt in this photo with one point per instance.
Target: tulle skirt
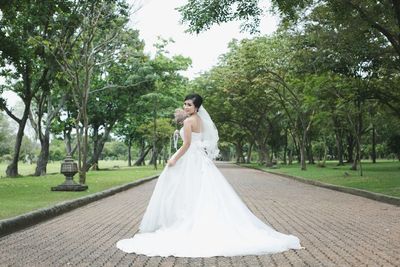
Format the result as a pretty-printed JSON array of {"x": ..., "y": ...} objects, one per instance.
[{"x": 195, "y": 212}]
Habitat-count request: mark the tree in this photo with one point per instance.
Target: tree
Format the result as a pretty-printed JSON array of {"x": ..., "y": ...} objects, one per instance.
[
  {"x": 214, "y": 86},
  {"x": 59, "y": 22},
  {"x": 394, "y": 145},
  {"x": 158, "y": 138},
  {"x": 276, "y": 72},
  {"x": 21, "y": 62},
  {"x": 121, "y": 83},
  {"x": 46, "y": 108},
  {"x": 335, "y": 59},
  {"x": 380, "y": 20},
  {"x": 127, "y": 130},
  {"x": 253, "y": 108},
  {"x": 94, "y": 43},
  {"x": 167, "y": 90}
]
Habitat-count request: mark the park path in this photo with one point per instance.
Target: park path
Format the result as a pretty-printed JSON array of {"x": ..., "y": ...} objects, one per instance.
[{"x": 337, "y": 229}]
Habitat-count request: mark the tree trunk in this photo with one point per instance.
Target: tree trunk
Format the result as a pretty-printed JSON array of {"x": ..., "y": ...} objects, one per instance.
[
  {"x": 303, "y": 144},
  {"x": 160, "y": 156},
  {"x": 373, "y": 155},
  {"x": 303, "y": 156},
  {"x": 239, "y": 153},
  {"x": 309, "y": 152},
  {"x": 265, "y": 159},
  {"x": 290, "y": 157},
  {"x": 339, "y": 146},
  {"x": 297, "y": 150},
  {"x": 350, "y": 148},
  {"x": 98, "y": 146},
  {"x": 82, "y": 176},
  {"x": 322, "y": 158},
  {"x": 358, "y": 132},
  {"x": 226, "y": 155},
  {"x": 94, "y": 162},
  {"x": 357, "y": 158},
  {"x": 142, "y": 154},
  {"x": 153, "y": 159},
  {"x": 52, "y": 111},
  {"x": 248, "y": 160},
  {"x": 338, "y": 139},
  {"x": 325, "y": 153},
  {"x": 130, "y": 153},
  {"x": 285, "y": 148},
  {"x": 79, "y": 143},
  {"x": 12, "y": 168},
  {"x": 68, "y": 142},
  {"x": 166, "y": 153},
  {"x": 41, "y": 166}
]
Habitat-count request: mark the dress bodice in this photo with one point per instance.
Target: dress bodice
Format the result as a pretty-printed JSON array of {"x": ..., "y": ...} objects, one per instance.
[{"x": 195, "y": 136}]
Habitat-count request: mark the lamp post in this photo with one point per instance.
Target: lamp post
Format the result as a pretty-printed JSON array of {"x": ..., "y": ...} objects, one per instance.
[{"x": 69, "y": 168}]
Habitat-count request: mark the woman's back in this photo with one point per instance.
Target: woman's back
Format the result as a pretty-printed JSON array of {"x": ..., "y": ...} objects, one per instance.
[{"x": 195, "y": 123}]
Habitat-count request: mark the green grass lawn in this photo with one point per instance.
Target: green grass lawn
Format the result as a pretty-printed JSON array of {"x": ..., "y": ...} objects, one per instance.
[
  {"x": 382, "y": 177},
  {"x": 28, "y": 193}
]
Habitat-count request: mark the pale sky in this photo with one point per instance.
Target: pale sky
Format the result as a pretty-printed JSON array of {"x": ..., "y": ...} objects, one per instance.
[{"x": 159, "y": 18}]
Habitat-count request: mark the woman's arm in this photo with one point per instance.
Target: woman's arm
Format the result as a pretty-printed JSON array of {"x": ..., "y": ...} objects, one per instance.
[{"x": 187, "y": 139}]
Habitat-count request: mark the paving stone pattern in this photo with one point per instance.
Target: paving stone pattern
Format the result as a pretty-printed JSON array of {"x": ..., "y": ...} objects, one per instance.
[{"x": 337, "y": 229}]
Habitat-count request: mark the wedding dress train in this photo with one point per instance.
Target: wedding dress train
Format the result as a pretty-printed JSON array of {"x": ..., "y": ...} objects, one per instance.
[{"x": 195, "y": 212}]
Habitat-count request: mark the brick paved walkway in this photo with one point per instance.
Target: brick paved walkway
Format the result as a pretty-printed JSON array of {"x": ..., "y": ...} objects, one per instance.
[{"x": 337, "y": 229}]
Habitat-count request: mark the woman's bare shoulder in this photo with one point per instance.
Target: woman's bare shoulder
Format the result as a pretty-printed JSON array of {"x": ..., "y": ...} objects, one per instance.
[
  {"x": 193, "y": 119},
  {"x": 189, "y": 120}
]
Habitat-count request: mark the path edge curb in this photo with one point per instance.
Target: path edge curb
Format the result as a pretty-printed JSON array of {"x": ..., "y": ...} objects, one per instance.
[
  {"x": 19, "y": 222},
  {"x": 359, "y": 192}
]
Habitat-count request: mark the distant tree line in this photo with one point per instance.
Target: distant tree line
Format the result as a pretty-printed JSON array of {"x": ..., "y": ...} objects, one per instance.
[{"x": 324, "y": 86}]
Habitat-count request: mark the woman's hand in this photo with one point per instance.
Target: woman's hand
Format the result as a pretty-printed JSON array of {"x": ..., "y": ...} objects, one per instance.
[
  {"x": 187, "y": 138},
  {"x": 171, "y": 162}
]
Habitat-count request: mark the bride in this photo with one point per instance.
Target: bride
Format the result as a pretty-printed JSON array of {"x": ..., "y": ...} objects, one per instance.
[{"x": 194, "y": 211}]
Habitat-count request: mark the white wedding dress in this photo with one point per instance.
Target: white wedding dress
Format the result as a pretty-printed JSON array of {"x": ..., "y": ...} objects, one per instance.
[{"x": 195, "y": 212}]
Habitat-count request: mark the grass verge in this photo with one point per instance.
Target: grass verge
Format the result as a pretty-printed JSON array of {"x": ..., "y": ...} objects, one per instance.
[
  {"x": 28, "y": 193},
  {"x": 381, "y": 177}
]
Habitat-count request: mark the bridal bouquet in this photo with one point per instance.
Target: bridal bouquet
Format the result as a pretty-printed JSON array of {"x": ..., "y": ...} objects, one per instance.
[{"x": 180, "y": 115}]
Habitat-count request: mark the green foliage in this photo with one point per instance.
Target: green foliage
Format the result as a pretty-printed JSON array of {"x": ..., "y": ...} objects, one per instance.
[
  {"x": 57, "y": 150},
  {"x": 5, "y": 136},
  {"x": 29, "y": 150},
  {"x": 355, "y": 38},
  {"x": 295, "y": 89},
  {"x": 163, "y": 132},
  {"x": 115, "y": 150},
  {"x": 394, "y": 144},
  {"x": 116, "y": 85},
  {"x": 201, "y": 15}
]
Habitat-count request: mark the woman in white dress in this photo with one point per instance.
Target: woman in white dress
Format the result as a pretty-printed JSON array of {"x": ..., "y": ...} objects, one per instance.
[{"x": 194, "y": 211}]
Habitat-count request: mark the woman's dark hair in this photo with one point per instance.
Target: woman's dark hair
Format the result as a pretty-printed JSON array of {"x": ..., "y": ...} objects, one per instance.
[{"x": 196, "y": 98}]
